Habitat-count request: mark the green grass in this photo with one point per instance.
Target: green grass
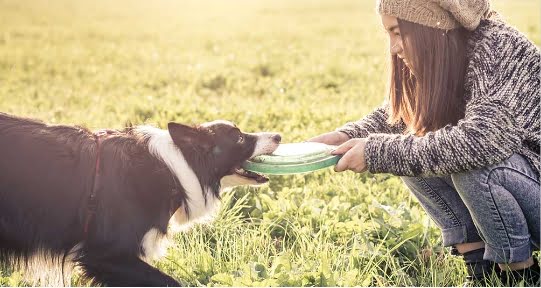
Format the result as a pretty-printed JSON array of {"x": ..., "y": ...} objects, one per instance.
[{"x": 299, "y": 67}]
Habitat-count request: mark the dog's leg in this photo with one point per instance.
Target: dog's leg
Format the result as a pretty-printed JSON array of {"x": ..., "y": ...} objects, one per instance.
[{"x": 123, "y": 270}]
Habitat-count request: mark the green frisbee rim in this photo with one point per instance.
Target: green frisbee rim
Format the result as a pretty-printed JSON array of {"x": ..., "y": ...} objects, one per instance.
[
  {"x": 286, "y": 165},
  {"x": 288, "y": 160},
  {"x": 276, "y": 169}
]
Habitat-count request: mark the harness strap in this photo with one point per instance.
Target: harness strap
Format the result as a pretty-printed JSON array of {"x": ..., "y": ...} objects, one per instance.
[{"x": 99, "y": 136}]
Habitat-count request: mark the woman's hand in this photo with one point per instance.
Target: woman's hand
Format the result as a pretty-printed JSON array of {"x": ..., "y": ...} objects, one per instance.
[
  {"x": 331, "y": 138},
  {"x": 354, "y": 158}
]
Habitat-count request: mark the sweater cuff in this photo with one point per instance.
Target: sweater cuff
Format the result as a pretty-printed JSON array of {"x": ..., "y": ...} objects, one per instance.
[
  {"x": 378, "y": 156},
  {"x": 349, "y": 132},
  {"x": 392, "y": 153},
  {"x": 353, "y": 131}
]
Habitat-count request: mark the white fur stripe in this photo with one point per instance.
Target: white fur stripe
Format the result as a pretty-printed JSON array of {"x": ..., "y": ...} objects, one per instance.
[
  {"x": 160, "y": 144},
  {"x": 154, "y": 245}
]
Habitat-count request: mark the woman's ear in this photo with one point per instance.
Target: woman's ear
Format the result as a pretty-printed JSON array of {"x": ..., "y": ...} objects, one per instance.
[{"x": 187, "y": 136}]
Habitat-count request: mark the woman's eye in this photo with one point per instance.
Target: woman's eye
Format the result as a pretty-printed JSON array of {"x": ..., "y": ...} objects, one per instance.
[{"x": 241, "y": 139}]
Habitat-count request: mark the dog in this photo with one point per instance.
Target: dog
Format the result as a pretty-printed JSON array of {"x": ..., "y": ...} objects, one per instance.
[{"x": 104, "y": 201}]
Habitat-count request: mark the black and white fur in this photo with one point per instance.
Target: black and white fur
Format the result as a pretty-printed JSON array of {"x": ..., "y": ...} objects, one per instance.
[{"x": 46, "y": 175}]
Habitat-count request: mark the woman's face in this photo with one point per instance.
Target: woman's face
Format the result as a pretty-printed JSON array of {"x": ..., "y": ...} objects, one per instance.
[{"x": 390, "y": 24}]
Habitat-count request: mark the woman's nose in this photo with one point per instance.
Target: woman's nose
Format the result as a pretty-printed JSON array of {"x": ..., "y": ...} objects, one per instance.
[{"x": 396, "y": 47}]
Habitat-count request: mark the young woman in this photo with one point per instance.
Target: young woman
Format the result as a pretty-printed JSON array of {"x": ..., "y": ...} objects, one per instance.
[{"x": 461, "y": 126}]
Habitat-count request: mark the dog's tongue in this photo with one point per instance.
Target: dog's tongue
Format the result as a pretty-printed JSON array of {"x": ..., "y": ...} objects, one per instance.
[
  {"x": 252, "y": 175},
  {"x": 258, "y": 177},
  {"x": 262, "y": 179}
]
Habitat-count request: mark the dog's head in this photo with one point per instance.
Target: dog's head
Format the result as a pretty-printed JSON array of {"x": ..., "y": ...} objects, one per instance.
[{"x": 217, "y": 149}]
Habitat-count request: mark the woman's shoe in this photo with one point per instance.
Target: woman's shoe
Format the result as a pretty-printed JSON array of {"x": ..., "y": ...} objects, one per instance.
[{"x": 479, "y": 270}]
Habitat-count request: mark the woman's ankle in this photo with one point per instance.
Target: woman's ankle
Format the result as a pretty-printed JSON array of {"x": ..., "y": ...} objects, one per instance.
[
  {"x": 529, "y": 276},
  {"x": 517, "y": 265},
  {"x": 467, "y": 247}
]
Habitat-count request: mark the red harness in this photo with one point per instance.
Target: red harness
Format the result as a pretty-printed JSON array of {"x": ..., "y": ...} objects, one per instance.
[{"x": 99, "y": 136}]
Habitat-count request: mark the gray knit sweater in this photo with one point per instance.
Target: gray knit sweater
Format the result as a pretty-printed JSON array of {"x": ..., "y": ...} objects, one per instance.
[{"x": 501, "y": 118}]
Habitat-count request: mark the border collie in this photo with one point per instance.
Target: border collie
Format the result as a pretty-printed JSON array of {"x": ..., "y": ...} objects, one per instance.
[{"x": 104, "y": 201}]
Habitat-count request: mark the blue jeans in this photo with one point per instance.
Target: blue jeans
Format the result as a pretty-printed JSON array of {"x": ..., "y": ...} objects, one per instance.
[{"x": 498, "y": 205}]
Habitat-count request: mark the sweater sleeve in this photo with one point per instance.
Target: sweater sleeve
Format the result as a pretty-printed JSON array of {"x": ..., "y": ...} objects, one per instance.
[
  {"x": 488, "y": 134},
  {"x": 375, "y": 122}
]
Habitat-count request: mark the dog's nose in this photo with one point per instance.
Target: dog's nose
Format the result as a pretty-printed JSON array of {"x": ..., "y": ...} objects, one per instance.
[{"x": 276, "y": 138}]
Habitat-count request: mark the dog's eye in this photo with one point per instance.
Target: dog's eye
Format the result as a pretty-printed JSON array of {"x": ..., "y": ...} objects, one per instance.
[{"x": 240, "y": 140}]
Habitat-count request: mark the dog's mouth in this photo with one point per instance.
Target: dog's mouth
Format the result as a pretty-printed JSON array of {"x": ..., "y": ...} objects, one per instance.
[
  {"x": 259, "y": 178},
  {"x": 265, "y": 145}
]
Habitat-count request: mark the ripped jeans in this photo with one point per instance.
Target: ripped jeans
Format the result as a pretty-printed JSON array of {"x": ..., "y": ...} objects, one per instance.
[{"x": 498, "y": 205}]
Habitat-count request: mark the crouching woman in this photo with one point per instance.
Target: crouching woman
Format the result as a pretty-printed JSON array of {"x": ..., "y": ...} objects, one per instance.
[{"x": 462, "y": 127}]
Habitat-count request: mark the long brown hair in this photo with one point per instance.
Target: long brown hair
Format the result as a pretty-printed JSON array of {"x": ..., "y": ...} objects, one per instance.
[{"x": 431, "y": 94}]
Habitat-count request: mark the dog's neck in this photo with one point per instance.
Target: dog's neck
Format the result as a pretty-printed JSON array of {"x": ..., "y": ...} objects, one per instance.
[{"x": 201, "y": 200}]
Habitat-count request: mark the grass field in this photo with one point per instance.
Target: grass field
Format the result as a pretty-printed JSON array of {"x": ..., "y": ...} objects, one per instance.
[{"x": 299, "y": 67}]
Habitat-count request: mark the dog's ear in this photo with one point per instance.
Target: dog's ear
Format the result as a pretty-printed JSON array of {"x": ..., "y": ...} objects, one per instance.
[{"x": 186, "y": 136}]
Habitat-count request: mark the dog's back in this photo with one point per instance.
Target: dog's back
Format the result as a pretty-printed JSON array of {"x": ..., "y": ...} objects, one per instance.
[
  {"x": 47, "y": 175},
  {"x": 40, "y": 164}
]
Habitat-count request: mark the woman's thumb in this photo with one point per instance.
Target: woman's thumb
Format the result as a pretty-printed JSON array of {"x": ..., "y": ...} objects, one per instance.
[{"x": 342, "y": 149}]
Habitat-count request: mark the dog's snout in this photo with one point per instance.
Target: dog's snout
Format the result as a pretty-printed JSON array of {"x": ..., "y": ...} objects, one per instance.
[{"x": 276, "y": 138}]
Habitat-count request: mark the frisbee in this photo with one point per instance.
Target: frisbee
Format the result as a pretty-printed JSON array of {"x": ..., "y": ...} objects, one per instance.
[{"x": 294, "y": 158}]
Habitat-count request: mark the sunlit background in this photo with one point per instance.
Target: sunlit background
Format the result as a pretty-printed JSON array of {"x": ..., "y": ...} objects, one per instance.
[{"x": 300, "y": 67}]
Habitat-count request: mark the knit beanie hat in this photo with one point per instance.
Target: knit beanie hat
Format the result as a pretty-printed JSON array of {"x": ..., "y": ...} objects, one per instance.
[{"x": 443, "y": 14}]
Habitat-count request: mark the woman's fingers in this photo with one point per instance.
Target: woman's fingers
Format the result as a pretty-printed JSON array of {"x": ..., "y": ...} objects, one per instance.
[
  {"x": 343, "y": 164},
  {"x": 354, "y": 158},
  {"x": 330, "y": 138},
  {"x": 320, "y": 139},
  {"x": 342, "y": 149}
]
